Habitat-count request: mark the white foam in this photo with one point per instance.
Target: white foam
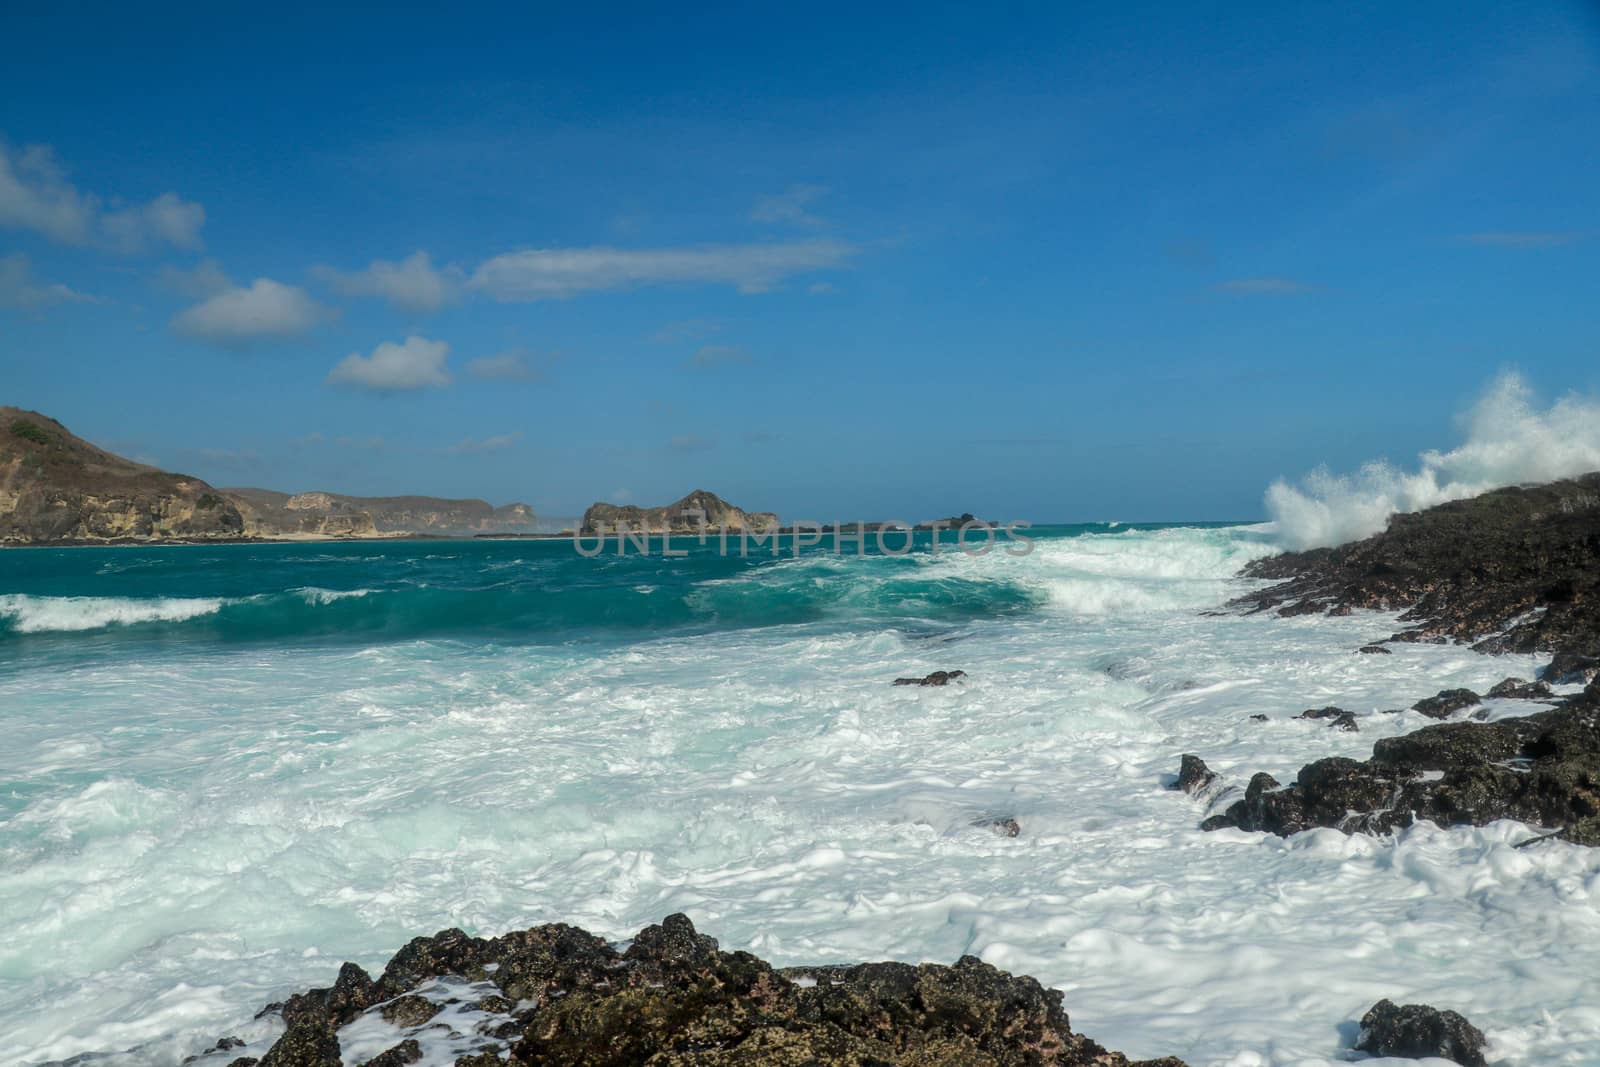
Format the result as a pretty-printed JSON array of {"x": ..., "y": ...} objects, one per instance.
[
  {"x": 180, "y": 827},
  {"x": 43, "y": 614},
  {"x": 1510, "y": 440}
]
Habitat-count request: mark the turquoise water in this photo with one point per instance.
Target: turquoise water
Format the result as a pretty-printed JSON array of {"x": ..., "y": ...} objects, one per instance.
[
  {"x": 74, "y": 602},
  {"x": 225, "y": 769}
]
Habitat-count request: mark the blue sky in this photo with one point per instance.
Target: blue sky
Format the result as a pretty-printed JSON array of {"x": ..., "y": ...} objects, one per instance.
[{"x": 1046, "y": 261}]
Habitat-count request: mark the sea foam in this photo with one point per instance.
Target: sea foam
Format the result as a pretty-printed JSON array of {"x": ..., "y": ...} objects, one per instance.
[{"x": 43, "y": 614}]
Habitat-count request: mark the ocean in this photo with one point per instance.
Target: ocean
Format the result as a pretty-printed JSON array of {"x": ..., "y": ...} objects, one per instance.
[{"x": 228, "y": 768}]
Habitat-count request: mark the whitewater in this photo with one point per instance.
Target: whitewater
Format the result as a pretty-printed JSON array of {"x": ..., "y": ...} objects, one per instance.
[{"x": 227, "y": 769}]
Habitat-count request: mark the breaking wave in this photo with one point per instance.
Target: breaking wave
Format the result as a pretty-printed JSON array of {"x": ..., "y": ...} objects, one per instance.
[{"x": 1510, "y": 440}]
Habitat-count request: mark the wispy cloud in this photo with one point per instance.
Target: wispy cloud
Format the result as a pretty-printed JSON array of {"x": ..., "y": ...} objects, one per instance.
[
  {"x": 707, "y": 357},
  {"x": 236, "y": 317},
  {"x": 415, "y": 363},
  {"x": 36, "y": 195},
  {"x": 412, "y": 284},
  {"x": 477, "y": 446},
  {"x": 1264, "y": 286},
  {"x": 1523, "y": 238},
  {"x": 792, "y": 206},
  {"x": 206, "y": 279},
  {"x": 688, "y": 442},
  {"x": 555, "y": 273},
  {"x": 686, "y": 330},
  {"x": 514, "y": 365},
  {"x": 20, "y": 289}
]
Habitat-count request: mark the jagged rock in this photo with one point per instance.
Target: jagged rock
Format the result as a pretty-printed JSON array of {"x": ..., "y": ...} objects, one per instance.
[
  {"x": 1470, "y": 571},
  {"x": 936, "y": 678},
  {"x": 1446, "y": 703},
  {"x": 1259, "y": 718},
  {"x": 1321, "y": 713},
  {"x": 1418, "y": 1031},
  {"x": 1569, "y": 668},
  {"x": 410, "y": 1010},
  {"x": 1345, "y": 721},
  {"x": 1520, "y": 689},
  {"x": 407, "y": 1051},
  {"x": 1541, "y": 769},
  {"x": 675, "y": 999},
  {"x": 1374, "y": 650},
  {"x": 1193, "y": 774},
  {"x": 308, "y": 1042}
]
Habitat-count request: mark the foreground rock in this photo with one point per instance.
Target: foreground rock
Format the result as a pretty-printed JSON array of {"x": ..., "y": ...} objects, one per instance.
[
  {"x": 1542, "y": 769},
  {"x": 1513, "y": 570},
  {"x": 674, "y": 999},
  {"x": 1418, "y": 1031},
  {"x": 936, "y": 678}
]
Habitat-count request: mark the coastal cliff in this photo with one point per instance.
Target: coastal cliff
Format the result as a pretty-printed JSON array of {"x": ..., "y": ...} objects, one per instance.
[
  {"x": 273, "y": 514},
  {"x": 700, "y": 510},
  {"x": 57, "y": 488}
]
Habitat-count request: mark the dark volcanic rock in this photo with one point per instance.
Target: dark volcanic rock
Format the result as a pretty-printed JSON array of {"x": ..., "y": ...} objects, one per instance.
[
  {"x": 1472, "y": 570},
  {"x": 1541, "y": 769},
  {"x": 1520, "y": 689},
  {"x": 1446, "y": 703},
  {"x": 936, "y": 678},
  {"x": 1346, "y": 721},
  {"x": 1418, "y": 1031},
  {"x": 675, "y": 999},
  {"x": 1374, "y": 650},
  {"x": 1569, "y": 668},
  {"x": 1004, "y": 825},
  {"x": 1321, "y": 713},
  {"x": 1193, "y": 774},
  {"x": 410, "y": 1010},
  {"x": 407, "y": 1051}
]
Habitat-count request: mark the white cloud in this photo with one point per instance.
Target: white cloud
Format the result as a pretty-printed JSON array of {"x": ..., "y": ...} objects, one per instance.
[
  {"x": 413, "y": 284},
  {"x": 563, "y": 272},
  {"x": 515, "y": 365},
  {"x": 236, "y": 317},
  {"x": 415, "y": 363},
  {"x": 790, "y": 206},
  {"x": 19, "y": 288},
  {"x": 497, "y": 443},
  {"x": 167, "y": 218},
  {"x": 36, "y": 195}
]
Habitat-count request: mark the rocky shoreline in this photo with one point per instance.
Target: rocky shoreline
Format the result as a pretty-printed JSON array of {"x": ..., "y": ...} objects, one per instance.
[{"x": 558, "y": 995}]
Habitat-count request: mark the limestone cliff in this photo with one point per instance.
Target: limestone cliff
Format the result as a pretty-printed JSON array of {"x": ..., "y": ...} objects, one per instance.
[
  {"x": 700, "y": 510},
  {"x": 56, "y": 487},
  {"x": 272, "y": 514}
]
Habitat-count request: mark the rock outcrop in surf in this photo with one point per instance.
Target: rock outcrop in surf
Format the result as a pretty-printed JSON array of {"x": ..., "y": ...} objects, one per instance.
[
  {"x": 1542, "y": 769},
  {"x": 558, "y": 995},
  {"x": 1513, "y": 570}
]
